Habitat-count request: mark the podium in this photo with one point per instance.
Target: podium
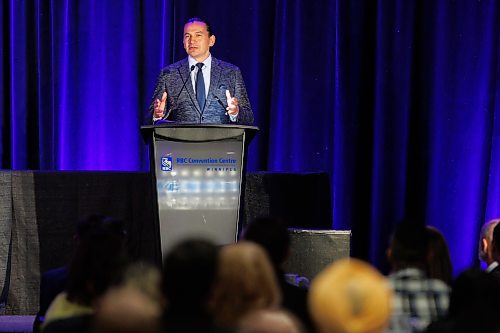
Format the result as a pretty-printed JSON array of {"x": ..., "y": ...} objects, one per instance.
[{"x": 198, "y": 173}]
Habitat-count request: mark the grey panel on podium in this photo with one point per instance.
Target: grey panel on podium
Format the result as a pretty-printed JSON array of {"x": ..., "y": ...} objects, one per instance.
[
  {"x": 199, "y": 173},
  {"x": 313, "y": 250}
]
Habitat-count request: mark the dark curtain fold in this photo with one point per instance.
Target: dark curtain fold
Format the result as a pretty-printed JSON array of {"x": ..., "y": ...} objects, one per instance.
[{"x": 396, "y": 100}]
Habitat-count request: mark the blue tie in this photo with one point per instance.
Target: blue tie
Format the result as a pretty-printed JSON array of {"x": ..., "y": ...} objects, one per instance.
[{"x": 200, "y": 86}]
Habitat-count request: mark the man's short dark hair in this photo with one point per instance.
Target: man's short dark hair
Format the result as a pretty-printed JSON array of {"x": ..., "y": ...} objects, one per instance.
[
  {"x": 197, "y": 19},
  {"x": 496, "y": 241},
  {"x": 94, "y": 224},
  {"x": 409, "y": 245},
  {"x": 272, "y": 235},
  {"x": 189, "y": 273}
]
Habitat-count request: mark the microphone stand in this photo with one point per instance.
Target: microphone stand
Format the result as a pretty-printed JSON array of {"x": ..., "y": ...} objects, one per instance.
[{"x": 179, "y": 94}]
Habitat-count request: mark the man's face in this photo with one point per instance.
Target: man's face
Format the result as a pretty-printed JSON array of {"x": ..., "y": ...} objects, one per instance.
[{"x": 197, "y": 43}]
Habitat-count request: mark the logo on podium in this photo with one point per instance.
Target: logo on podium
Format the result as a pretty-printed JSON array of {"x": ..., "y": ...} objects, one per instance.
[{"x": 166, "y": 163}]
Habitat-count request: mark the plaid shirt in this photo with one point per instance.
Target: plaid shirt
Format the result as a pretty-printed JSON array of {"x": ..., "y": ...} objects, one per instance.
[{"x": 417, "y": 300}]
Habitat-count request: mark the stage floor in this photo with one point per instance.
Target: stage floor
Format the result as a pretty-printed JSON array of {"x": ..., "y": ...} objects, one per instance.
[{"x": 16, "y": 323}]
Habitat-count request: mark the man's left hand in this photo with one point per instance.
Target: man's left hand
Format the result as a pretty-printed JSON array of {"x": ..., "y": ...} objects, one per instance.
[{"x": 232, "y": 105}]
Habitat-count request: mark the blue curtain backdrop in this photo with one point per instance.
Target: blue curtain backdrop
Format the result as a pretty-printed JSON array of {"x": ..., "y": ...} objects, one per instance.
[{"x": 397, "y": 100}]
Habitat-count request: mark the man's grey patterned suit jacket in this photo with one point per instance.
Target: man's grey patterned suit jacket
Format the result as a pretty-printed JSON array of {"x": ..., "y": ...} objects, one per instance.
[{"x": 182, "y": 105}]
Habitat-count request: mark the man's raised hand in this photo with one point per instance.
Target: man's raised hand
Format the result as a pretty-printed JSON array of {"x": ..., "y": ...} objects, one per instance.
[
  {"x": 159, "y": 106},
  {"x": 232, "y": 104}
]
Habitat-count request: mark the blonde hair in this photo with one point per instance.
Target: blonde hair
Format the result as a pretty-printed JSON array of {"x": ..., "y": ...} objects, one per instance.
[
  {"x": 350, "y": 296},
  {"x": 145, "y": 278},
  {"x": 245, "y": 282}
]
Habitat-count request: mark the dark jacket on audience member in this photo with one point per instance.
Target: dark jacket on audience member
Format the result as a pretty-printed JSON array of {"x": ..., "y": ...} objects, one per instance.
[{"x": 52, "y": 283}]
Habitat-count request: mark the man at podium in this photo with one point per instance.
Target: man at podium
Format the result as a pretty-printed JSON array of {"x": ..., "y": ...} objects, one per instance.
[{"x": 200, "y": 88}]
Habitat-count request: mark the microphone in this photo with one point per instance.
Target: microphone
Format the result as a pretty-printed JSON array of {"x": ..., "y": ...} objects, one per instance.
[
  {"x": 220, "y": 102},
  {"x": 222, "y": 88},
  {"x": 180, "y": 92}
]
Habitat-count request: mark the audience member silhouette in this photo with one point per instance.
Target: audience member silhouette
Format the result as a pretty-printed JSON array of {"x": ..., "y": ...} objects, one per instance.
[
  {"x": 53, "y": 282},
  {"x": 270, "y": 321},
  {"x": 245, "y": 282},
  {"x": 473, "y": 305},
  {"x": 272, "y": 235},
  {"x": 438, "y": 258},
  {"x": 350, "y": 296},
  {"x": 485, "y": 253},
  {"x": 133, "y": 306},
  {"x": 126, "y": 310},
  {"x": 418, "y": 300},
  {"x": 98, "y": 263},
  {"x": 189, "y": 272}
]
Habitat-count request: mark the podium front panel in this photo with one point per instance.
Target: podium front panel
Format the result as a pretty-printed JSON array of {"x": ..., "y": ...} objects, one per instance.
[{"x": 198, "y": 188}]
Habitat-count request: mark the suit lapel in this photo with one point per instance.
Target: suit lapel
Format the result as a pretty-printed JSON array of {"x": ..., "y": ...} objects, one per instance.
[
  {"x": 215, "y": 74},
  {"x": 185, "y": 73}
]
